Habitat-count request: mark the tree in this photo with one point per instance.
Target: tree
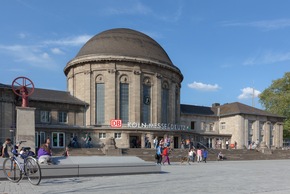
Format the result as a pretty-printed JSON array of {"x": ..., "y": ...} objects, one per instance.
[{"x": 276, "y": 99}]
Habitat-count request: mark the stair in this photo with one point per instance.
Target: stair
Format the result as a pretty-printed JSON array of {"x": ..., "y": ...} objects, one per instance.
[{"x": 176, "y": 155}]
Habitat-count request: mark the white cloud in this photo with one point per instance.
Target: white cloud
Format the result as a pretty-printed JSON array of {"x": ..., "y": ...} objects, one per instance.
[
  {"x": 248, "y": 93},
  {"x": 30, "y": 55},
  {"x": 57, "y": 51},
  {"x": 203, "y": 87},
  {"x": 267, "y": 58},
  {"x": 137, "y": 8},
  {"x": 70, "y": 41},
  {"x": 17, "y": 70},
  {"x": 262, "y": 24},
  {"x": 22, "y": 35}
]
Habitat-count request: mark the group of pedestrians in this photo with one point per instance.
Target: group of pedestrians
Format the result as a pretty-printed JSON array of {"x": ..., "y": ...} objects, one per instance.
[
  {"x": 162, "y": 151},
  {"x": 199, "y": 154}
]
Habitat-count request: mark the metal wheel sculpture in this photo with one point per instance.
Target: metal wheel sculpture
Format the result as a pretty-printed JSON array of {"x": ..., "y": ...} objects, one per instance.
[{"x": 24, "y": 87}]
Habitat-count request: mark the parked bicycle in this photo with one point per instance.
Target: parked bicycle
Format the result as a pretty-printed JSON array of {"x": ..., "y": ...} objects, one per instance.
[{"x": 20, "y": 164}]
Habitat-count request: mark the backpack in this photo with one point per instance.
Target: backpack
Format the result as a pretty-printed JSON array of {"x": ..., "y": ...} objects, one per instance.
[{"x": 90, "y": 139}]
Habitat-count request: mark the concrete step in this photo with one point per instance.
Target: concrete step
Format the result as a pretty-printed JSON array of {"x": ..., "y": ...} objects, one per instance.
[{"x": 176, "y": 155}]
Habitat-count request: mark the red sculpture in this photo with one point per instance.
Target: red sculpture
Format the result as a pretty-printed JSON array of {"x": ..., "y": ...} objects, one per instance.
[{"x": 24, "y": 87}]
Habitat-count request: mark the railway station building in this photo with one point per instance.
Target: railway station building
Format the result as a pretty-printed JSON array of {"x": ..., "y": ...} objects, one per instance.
[{"x": 123, "y": 85}]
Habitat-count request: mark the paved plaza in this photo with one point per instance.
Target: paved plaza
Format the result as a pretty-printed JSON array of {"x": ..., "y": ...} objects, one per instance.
[{"x": 260, "y": 176}]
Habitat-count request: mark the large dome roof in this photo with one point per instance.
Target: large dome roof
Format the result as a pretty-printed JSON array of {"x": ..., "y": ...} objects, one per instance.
[{"x": 124, "y": 43}]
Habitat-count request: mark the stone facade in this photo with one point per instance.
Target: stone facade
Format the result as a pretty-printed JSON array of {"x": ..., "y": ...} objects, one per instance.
[
  {"x": 241, "y": 126},
  {"x": 122, "y": 74}
]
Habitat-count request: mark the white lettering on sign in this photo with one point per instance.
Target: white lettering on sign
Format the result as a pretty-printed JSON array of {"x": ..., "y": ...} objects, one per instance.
[{"x": 166, "y": 126}]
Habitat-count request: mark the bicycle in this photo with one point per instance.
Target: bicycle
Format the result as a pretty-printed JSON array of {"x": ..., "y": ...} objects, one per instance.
[{"x": 20, "y": 164}]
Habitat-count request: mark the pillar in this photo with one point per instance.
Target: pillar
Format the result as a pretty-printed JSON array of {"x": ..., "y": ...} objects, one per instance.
[{"x": 25, "y": 126}]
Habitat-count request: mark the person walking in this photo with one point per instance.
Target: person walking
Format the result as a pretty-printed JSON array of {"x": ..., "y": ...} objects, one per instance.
[
  {"x": 190, "y": 156},
  {"x": 165, "y": 154},
  {"x": 227, "y": 144},
  {"x": 158, "y": 155},
  {"x": 199, "y": 155},
  {"x": 204, "y": 154}
]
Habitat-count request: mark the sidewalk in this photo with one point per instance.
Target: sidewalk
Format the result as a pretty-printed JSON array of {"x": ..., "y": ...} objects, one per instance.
[{"x": 263, "y": 176}]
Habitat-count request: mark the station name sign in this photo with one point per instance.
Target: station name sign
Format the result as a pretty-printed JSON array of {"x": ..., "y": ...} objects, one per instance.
[
  {"x": 165, "y": 126},
  {"x": 117, "y": 123}
]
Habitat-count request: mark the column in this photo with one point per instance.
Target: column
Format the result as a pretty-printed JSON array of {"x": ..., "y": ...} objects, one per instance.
[
  {"x": 110, "y": 96},
  {"x": 156, "y": 98},
  {"x": 143, "y": 135},
  {"x": 25, "y": 126},
  {"x": 151, "y": 138},
  {"x": 135, "y": 94},
  {"x": 90, "y": 114}
]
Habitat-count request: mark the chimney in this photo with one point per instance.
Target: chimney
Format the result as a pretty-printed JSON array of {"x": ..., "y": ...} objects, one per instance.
[{"x": 215, "y": 105}]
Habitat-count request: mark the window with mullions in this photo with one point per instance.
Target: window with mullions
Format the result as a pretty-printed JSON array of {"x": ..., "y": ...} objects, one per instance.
[
  {"x": 165, "y": 102},
  {"x": 44, "y": 116},
  {"x": 58, "y": 140},
  {"x": 39, "y": 138},
  {"x": 124, "y": 102},
  {"x": 271, "y": 135},
  {"x": 100, "y": 103},
  {"x": 102, "y": 135},
  {"x": 117, "y": 135},
  {"x": 62, "y": 117}
]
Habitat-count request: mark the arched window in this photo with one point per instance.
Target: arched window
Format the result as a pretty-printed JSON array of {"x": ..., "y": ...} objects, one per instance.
[
  {"x": 146, "y": 100},
  {"x": 100, "y": 100},
  {"x": 165, "y": 101},
  {"x": 124, "y": 99}
]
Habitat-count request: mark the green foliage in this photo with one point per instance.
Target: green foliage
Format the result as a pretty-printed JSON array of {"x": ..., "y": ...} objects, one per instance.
[{"x": 276, "y": 99}]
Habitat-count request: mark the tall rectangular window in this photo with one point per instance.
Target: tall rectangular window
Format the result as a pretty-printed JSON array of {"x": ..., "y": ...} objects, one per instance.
[
  {"x": 39, "y": 138},
  {"x": 192, "y": 125},
  {"x": 165, "y": 101},
  {"x": 58, "y": 140},
  {"x": 44, "y": 116},
  {"x": 124, "y": 102},
  {"x": 146, "y": 114},
  {"x": 271, "y": 135},
  {"x": 100, "y": 103},
  {"x": 62, "y": 117}
]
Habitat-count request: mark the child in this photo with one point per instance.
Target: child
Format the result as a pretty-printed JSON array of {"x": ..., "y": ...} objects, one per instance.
[{"x": 65, "y": 153}]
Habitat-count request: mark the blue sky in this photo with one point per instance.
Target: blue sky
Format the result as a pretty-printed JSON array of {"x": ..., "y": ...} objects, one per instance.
[{"x": 223, "y": 48}]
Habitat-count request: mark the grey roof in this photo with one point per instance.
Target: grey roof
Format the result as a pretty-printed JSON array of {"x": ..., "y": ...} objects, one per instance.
[
  {"x": 125, "y": 42},
  {"x": 54, "y": 96},
  {"x": 234, "y": 108},
  {"x": 5, "y": 86},
  {"x": 46, "y": 95},
  {"x": 122, "y": 44},
  {"x": 196, "y": 110}
]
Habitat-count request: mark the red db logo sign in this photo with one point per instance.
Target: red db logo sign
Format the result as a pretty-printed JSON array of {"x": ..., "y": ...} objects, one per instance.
[{"x": 116, "y": 123}]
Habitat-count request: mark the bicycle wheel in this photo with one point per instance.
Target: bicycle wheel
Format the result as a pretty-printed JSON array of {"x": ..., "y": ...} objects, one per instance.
[
  {"x": 12, "y": 170},
  {"x": 32, "y": 170}
]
